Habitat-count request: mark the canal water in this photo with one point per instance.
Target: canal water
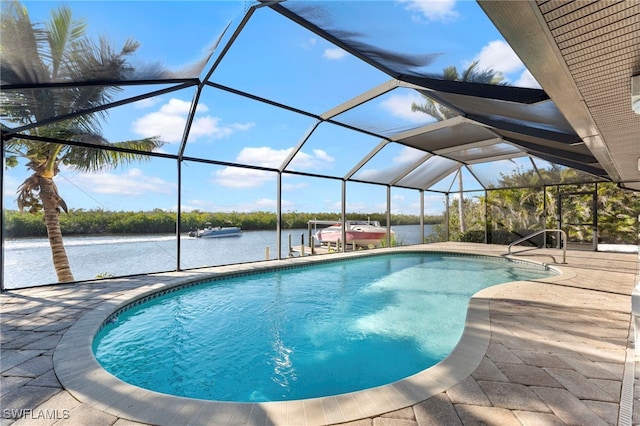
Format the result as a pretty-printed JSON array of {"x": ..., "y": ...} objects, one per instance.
[{"x": 27, "y": 261}]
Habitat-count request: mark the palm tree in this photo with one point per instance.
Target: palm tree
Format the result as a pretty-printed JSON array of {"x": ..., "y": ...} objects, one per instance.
[
  {"x": 59, "y": 52},
  {"x": 471, "y": 75},
  {"x": 440, "y": 112}
]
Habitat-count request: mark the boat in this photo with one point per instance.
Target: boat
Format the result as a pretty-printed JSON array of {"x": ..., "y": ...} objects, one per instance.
[
  {"x": 216, "y": 232},
  {"x": 360, "y": 232}
]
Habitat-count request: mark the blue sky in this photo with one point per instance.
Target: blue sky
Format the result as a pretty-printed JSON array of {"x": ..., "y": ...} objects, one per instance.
[{"x": 275, "y": 59}]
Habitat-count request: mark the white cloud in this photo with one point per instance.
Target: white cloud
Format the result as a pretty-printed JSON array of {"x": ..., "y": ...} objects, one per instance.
[
  {"x": 288, "y": 187},
  {"x": 408, "y": 155},
  {"x": 432, "y": 10},
  {"x": 334, "y": 53},
  {"x": 322, "y": 155},
  {"x": 434, "y": 204},
  {"x": 499, "y": 56},
  {"x": 379, "y": 207},
  {"x": 317, "y": 161},
  {"x": 371, "y": 174},
  {"x": 357, "y": 207},
  {"x": 310, "y": 43},
  {"x": 400, "y": 204},
  {"x": 263, "y": 156},
  {"x": 10, "y": 186},
  {"x": 405, "y": 156},
  {"x": 147, "y": 103},
  {"x": 170, "y": 120},
  {"x": 527, "y": 80},
  {"x": 131, "y": 183},
  {"x": 400, "y": 106},
  {"x": 236, "y": 177},
  {"x": 177, "y": 106},
  {"x": 169, "y": 128},
  {"x": 10, "y": 183},
  {"x": 192, "y": 205},
  {"x": 264, "y": 204}
]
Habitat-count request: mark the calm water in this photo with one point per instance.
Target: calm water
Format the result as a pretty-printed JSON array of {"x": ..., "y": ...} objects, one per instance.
[
  {"x": 304, "y": 332},
  {"x": 27, "y": 262}
]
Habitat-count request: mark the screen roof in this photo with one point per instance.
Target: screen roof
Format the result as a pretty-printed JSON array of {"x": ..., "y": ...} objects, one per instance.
[{"x": 337, "y": 119}]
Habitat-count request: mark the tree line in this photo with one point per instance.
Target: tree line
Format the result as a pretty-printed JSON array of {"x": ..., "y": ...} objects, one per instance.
[
  {"x": 511, "y": 213},
  {"x": 92, "y": 222}
]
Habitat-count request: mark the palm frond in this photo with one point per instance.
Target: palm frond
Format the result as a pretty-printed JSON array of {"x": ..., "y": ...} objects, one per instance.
[
  {"x": 28, "y": 198},
  {"x": 429, "y": 107},
  {"x": 93, "y": 159},
  {"x": 62, "y": 52},
  {"x": 469, "y": 72},
  {"x": 450, "y": 73},
  {"x": 15, "y": 146},
  {"x": 20, "y": 46},
  {"x": 434, "y": 109},
  {"x": 20, "y": 61},
  {"x": 64, "y": 36}
]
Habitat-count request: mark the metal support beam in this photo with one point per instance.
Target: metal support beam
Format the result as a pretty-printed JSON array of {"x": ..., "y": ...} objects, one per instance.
[
  {"x": 486, "y": 216},
  {"x": 446, "y": 214},
  {"x": 299, "y": 146},
  {"x": 343, "y": 212},
  {"x": 279, "y": 217},
  {"x": 368, "y": 157},
  {"x": 2, "y": 223},
  {"x": 421, "y": 216},
  {"x": 388, "y": 237},
  {"x": 190, "y": 118},
  {"x": 178, "y": 215},
  {"x": 360, "y": 99},
  {"x": 543, "y": 225}
]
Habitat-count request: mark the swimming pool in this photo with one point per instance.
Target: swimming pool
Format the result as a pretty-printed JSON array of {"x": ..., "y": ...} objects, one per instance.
[{"x": 303, "y": 332}]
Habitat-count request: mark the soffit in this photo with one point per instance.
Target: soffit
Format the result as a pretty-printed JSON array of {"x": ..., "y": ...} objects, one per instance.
[{"x": 583, "y": 54}]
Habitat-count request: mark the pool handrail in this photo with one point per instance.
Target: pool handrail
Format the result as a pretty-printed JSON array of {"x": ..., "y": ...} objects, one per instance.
[{"x": 563, "y": 241}]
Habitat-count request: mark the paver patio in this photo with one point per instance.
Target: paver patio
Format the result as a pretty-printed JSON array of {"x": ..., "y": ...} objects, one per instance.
[{"x": 558, "y": 352}]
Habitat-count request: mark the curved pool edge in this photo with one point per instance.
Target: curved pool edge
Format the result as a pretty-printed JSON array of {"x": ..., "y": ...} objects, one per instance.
[{"x": 81, "y": 375}]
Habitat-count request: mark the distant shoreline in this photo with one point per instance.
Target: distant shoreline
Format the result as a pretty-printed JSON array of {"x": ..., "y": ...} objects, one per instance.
[{"x": 102, "y": 222}]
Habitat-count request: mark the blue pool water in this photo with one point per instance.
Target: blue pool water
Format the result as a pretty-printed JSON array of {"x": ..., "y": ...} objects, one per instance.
[{"x": 304, "y": 332}]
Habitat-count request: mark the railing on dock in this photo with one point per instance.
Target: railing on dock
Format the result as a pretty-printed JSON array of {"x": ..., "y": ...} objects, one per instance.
[{"x": 563, "y": 241}]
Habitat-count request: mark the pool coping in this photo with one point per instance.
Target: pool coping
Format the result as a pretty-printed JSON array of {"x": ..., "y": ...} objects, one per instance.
[{"x": 81, "y": 375}]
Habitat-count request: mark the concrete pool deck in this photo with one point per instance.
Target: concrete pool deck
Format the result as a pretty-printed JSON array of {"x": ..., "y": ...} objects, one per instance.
[{"x": 557, "y": 351}]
